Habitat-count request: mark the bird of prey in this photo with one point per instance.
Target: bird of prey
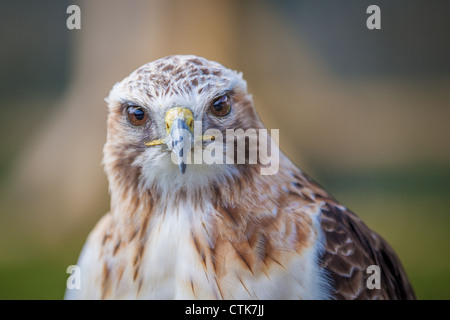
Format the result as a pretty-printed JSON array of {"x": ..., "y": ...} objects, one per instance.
[{"x": 178, "y": 229}]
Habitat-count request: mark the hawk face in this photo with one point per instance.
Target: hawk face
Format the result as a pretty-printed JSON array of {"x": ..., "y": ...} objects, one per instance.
[{"x": 159, "y": 120}]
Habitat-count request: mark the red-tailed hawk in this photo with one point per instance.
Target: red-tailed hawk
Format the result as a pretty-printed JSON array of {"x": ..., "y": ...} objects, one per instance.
[{"x": 180, "y": 229}]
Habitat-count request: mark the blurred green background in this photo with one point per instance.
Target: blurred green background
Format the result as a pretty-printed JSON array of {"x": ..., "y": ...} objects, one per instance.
[{"x": 364, "y": 112}]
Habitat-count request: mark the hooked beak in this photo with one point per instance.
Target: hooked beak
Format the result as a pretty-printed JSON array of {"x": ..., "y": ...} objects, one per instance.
[
  {"x": 180, "y": 135},
  {"x": 180, "y": 129}
]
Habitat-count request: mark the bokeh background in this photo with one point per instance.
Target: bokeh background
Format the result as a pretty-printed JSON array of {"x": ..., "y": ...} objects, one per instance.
[{"x": 364, "y": 112}]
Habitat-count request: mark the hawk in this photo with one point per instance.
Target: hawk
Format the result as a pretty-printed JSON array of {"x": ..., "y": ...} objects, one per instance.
[{"x": 178, "y": 229}]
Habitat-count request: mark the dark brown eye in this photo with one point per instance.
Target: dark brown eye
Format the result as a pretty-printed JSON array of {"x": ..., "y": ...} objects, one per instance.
[
  {"x": 136, "y": 116},
  {"x": 221, "y": 106}
]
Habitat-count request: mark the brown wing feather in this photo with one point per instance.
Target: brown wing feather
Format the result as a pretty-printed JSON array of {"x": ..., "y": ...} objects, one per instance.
[{"x": 350, "y": 248}]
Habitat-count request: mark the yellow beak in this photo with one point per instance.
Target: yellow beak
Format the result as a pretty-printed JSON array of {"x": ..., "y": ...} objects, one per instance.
[
  {"x": 180, "y": 113},
  {"x": 180, "y": 129},
  {"x": 180, "y": 134}
]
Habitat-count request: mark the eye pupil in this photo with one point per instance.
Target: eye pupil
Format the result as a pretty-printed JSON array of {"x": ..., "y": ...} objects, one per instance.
[
  {"x": 218, "y": 105},
  {"x": 139, "y": 114},
  {"x": 136, "y": 116}
]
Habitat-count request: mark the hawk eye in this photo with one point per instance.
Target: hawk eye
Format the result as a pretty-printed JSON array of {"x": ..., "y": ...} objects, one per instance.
[
  {"x": 136, "y": 115},
  {"x": 221, "y": 106}
]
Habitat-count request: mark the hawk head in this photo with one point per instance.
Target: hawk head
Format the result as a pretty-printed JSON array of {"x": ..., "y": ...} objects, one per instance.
[{"x": 165, "y": 115}]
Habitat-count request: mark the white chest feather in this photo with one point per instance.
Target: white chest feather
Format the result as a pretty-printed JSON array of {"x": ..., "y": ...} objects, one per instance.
[{"x": 172, "y": 268}]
